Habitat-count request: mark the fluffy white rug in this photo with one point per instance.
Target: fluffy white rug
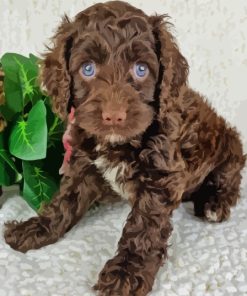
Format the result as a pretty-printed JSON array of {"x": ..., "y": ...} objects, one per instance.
[{"x": 204, "y": 259}]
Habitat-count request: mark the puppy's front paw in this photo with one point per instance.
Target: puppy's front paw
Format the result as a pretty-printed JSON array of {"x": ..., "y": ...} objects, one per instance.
[
  {"x": 113, "y": 280},
  {"x": 23, "y": 236},
  {"x": 120, "y": 279}
]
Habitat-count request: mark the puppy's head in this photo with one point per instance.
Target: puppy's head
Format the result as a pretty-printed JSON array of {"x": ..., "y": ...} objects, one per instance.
[{"x": 112, "y": 62}]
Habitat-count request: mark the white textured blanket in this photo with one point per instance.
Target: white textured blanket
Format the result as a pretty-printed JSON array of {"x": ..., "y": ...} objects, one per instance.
[{"x": 204, "y": 259}]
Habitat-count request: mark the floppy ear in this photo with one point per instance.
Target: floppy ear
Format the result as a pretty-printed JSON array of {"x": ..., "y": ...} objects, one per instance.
[
  {"x": 54, "y": 76},
  {"x": 173, "y": 66}
]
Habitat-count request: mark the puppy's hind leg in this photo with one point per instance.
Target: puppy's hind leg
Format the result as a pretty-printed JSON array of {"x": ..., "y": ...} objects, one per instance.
[{"x": 221, "y": 189}]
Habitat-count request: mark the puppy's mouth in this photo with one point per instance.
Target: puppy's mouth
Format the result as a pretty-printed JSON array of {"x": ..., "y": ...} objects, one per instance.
[
  {"x": 115, "y": 128},
  {"x": 115, "y": 138},
  {"x": 114, "y": 134}
]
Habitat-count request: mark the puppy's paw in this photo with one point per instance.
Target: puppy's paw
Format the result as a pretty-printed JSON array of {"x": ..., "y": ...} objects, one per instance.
[
  {"x": 216, "y": 212},
  {"x": 113, "y": 280},
  {"x": 23, "y": 236},
  {"x": 119, "y": 279}
]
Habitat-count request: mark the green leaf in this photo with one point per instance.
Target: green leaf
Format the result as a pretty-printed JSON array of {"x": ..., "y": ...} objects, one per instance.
[
  {"x": 35, "y": 60},
  {"x": 8, "y": 171},
  {"x": 38, "y": 187},
  {"x": 28, "y": 139},
  {"x": 20, "y": 85},
  {"x": 55, "y": 127}
]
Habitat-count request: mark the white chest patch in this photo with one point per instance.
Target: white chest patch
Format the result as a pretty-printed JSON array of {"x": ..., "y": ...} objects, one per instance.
[{"x": 112, "y": 174}]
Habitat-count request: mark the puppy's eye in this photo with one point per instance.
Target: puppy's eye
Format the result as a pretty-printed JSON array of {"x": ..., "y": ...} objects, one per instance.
[
  {"x": 141, "y": 70},
  {"x": 88, "y": 69}
]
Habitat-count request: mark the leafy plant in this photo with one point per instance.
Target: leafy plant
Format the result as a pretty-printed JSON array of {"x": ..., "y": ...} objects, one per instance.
[{"x": 30, "y": 146}]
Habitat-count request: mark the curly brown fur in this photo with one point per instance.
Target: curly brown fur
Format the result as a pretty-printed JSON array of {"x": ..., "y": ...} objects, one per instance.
[{"x": 170, "y": 145}]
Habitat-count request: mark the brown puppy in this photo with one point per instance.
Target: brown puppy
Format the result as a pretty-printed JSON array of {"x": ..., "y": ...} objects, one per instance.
[{"x": 138, "y": 122}]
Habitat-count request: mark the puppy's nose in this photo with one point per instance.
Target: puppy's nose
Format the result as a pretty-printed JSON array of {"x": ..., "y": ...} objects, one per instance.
[{"x": 114, "y": 117}]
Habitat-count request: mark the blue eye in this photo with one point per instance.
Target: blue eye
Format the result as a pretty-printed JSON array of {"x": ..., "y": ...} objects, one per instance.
[
  {"x": 88, "y": 69},
  {"x": 140, "y": 70}
]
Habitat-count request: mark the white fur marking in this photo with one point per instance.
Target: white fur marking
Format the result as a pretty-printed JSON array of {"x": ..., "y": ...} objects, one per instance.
[
  {"x": 98, "y": 147},
  {"x": 111, "y": 174},
  {"x": 211, "y": 216},
  {"x": 114, "y": 138}
]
